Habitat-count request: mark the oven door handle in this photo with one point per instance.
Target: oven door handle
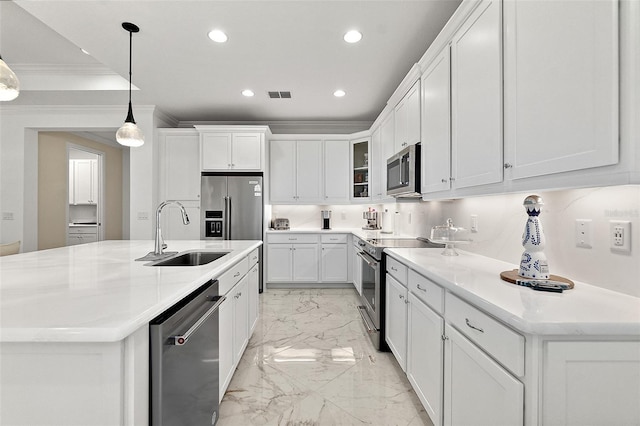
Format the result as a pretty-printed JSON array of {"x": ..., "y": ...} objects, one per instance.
[
  {"x": 181, "y": 339},
  {"x": 367, "y": 322},
  {"x": 374, "y": 264}
]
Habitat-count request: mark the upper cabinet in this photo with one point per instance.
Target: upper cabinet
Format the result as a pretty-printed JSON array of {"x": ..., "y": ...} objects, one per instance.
[
  {"x": 180, "y": 165},
  {"x": 238, "y": 148},
  {"x": 476, "y": 104},
  {"x": 83, "y": 182},
  {"x": 360, "y": 163},
  {"x": 336, "y": 171},
  {"x": 295, "y": 171},
  {"x": 561, "y": 86},
  {"x": 407, "y": 119},
  {"x": 436, "y": 128}
]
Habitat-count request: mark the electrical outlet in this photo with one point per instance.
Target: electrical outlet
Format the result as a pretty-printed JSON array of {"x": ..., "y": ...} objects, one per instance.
[
  {"x": 583, "y": 233},
  {"x": 474, "y": 223},
  {"x": 620, "y": 232},
  {"x": 143, "y": 216},
  {"x": 7, "y": 215}
]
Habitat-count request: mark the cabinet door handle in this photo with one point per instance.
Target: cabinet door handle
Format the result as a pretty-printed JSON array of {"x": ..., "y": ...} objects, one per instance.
[
  {"x": 444, "y": 180},
  {"x": 472, "y": 326},
  {"x": 423, "y": 289},
  {"x": 401, "y": 296},
  {"x": 444, "y": 337},
  {"x": 508, "y": 165}
]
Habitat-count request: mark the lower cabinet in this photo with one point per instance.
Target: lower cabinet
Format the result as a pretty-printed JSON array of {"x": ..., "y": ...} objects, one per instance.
[
  {"x": 425, "y": 356},
  {"x": 396, "y": 324},
  {"x": 254, "y": 293},
  {"x": 81, "y": 235},
  {"x": 307, "y": 258},
  {"x": 477, "y": 390},
  {"x": 356, "y": 273},
  {"x": 238, "y": 315}
]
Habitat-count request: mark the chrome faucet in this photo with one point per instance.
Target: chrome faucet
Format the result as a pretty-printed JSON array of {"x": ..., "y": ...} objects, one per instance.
[
  {"x": 160, "y": 244},
  {"x": 158, "y": 251}
]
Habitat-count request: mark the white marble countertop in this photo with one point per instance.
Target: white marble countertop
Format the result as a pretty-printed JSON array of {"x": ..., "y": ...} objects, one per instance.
[
  {"x": 97, "y": 292},
  {"x": 584, "y": 310},
  {"x": 358, "y": 232}
]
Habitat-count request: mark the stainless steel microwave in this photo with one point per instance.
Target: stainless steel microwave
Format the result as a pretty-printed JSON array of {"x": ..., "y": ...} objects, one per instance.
[{"x": 403, "y": 173}]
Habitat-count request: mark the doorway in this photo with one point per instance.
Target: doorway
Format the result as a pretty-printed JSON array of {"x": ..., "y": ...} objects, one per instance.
[
  {"x": 61, "y": 208},
  {"x": 85, "y": 213}
]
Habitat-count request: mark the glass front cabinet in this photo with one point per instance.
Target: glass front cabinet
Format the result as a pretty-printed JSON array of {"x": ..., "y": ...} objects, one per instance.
[{"x": 361, "y": 171}]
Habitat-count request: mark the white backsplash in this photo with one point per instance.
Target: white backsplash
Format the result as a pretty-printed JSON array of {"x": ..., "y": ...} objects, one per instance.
[{"x": 501, "y": 221}]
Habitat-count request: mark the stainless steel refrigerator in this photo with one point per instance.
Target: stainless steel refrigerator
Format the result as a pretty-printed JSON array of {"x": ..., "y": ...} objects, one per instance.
[{"x": 232, "y": 207}]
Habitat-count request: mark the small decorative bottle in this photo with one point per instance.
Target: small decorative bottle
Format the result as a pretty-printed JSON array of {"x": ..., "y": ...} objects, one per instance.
[{"x": 533, "y": 263}]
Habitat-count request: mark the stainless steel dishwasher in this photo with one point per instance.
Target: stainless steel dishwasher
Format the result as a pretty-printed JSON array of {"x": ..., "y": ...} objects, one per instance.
[{"x": 184, "y": 358}]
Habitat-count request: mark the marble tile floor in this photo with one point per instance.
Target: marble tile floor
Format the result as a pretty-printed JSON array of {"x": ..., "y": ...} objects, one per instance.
[{"x": 310, "y": 362}]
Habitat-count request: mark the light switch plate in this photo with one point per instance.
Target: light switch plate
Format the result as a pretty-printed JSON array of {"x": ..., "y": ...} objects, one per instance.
[{"x": 583, "y": 233}]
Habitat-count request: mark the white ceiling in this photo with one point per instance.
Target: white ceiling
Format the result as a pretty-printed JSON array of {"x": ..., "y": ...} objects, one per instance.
[{"x": 273, "y": 45}]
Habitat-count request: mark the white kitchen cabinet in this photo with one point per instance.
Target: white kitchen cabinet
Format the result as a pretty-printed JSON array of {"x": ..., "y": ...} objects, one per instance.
[
  {"x": 225, "y": 340},
  {"x": 82, "y": 235},
  {"x": 253, "y": 288},
  {"x": 388, "y": 148},
  {"x": 336, "y": 171},
  {"x": 476, "y": 105},
  {"x": 396, "y": 319},
  {"x": 83, "y": 182},
  {"x": 240, "y": 295},
  {"x": 357, "y": 265},
  {"x": 231, "y": 151},
  {"x": 292, "y": 258},
  {"x": 425, "y": 356},
  {"x": 583, "y": 381},
  {"x": 561, "y": 86},
  {"x": 334, "y": 259},
  {"x": 234, "y": 317},
  {"x": 375, "y": 167},
  {"x": 180, "y": 164},
  {"x": 295, "y": 171},
  {"x": 477, "y": 390},
  {"x": 305, "y": 263},
  {"x": 360, "y": 169},
  {"x": 436, "y": 128},
  {"x": 407, "y": 119}
]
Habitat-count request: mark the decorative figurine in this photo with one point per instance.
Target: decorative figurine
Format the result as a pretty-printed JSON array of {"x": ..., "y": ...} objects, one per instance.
[{"x": 533, "y": 263}]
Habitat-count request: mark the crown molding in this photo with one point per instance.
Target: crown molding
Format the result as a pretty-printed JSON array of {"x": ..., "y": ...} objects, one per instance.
[
  {"x": 290, "y": 127},
  {"x": 60, "y": 69}
]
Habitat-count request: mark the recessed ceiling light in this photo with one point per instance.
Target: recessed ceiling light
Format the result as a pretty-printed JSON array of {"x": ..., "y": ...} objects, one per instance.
[
  {"x": 84, "y": 51},
  {"x": 353, "y": 36},
  {"x": 339, "y": 93},
  {"x": 248, "y": 93},
  {"x": 218, "y": 36}
]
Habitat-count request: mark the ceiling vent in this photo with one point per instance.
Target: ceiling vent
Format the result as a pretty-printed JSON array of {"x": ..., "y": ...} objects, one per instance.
[{"x": 280, "y": 95}]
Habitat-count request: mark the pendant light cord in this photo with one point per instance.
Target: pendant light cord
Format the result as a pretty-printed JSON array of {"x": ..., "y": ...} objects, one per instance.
[{"x": 130, "y": 59}]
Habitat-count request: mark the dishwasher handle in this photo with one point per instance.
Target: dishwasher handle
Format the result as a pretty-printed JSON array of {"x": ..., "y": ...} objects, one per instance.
[{"x": 181, "y": 339}]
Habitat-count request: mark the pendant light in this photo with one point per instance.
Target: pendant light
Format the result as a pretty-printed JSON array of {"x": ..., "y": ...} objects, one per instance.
[
  {"x": 130, "y": 134},
  {"x": 9, "y": 84}
]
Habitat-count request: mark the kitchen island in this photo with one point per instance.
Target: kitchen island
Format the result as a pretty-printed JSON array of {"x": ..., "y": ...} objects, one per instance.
[{"x": 74, "y": 339}]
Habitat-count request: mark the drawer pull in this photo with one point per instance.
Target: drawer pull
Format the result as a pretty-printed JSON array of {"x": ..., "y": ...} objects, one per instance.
[
  {"x": 401, "y": 296},
  {"x": 423, "y": 289},
  {"x": 236, "y": 275},
  {"x": 293, "y": 239},
  {"x": 472, "y": 326},
  {"x": 394, "y": 269}
]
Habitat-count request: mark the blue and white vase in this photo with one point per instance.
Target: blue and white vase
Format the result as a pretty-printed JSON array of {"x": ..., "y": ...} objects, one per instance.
[{"x": 533, "y": 263}]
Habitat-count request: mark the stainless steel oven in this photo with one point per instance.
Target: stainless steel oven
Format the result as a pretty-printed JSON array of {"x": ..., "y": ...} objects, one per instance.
[
  {"x": 373, "y": 268},
  {"x": 371, "y": 299}
]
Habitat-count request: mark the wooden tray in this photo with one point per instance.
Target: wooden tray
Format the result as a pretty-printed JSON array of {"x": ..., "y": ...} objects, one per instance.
[{"x": 512, "y": 275}]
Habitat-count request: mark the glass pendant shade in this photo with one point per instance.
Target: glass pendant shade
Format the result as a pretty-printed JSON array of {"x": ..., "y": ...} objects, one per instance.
[
  {"x": 130, "y": 135},
  {"x": 9, "y": 84}
]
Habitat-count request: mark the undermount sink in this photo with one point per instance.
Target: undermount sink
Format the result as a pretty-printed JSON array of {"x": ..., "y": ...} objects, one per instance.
[{"x": 192, "y": 258}]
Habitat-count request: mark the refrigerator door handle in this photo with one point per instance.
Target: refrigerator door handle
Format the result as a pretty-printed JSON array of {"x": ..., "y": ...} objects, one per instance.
[
  {"x": 225, "y": 230},
  {"x": 228, "y": 218}
]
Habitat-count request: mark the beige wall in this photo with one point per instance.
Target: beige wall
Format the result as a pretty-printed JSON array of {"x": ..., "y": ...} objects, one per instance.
[{"x": 52, "y": 187}]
